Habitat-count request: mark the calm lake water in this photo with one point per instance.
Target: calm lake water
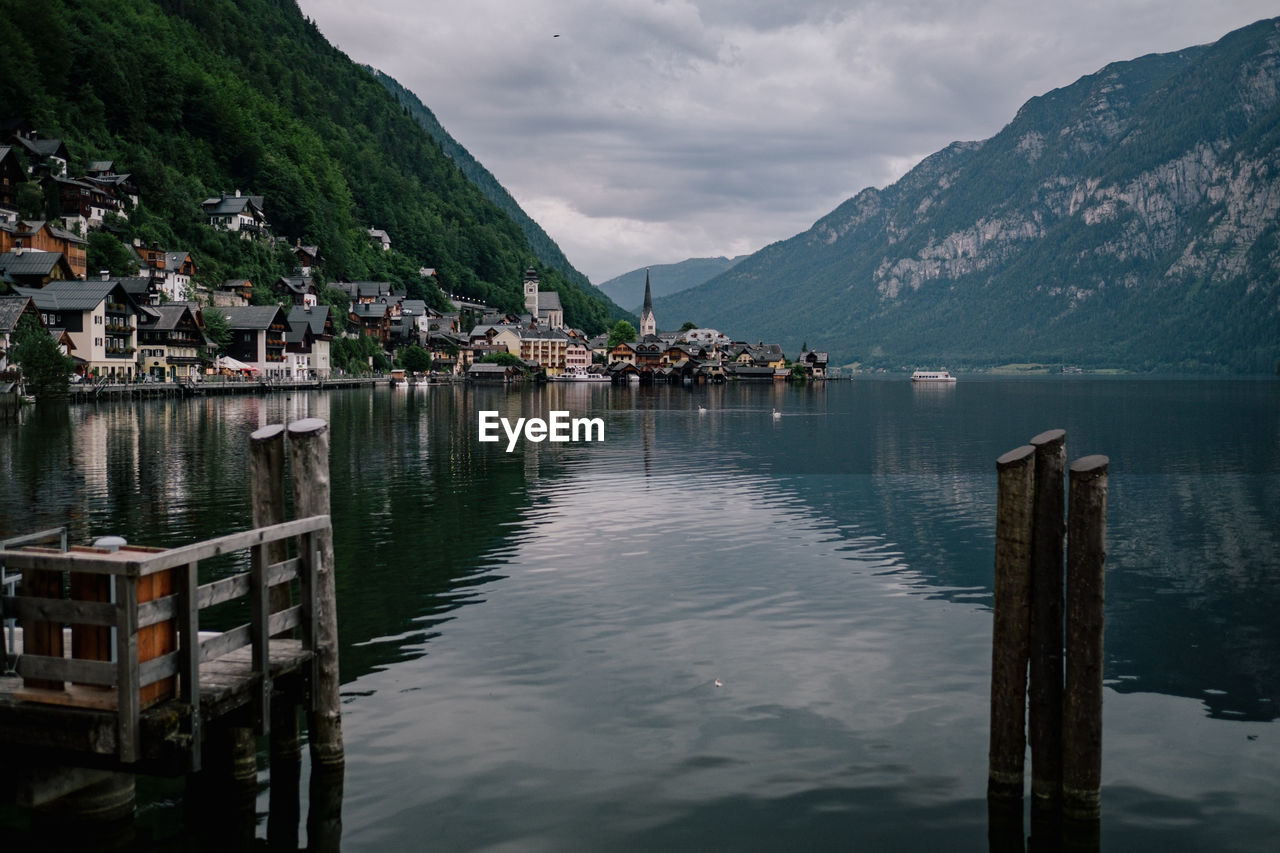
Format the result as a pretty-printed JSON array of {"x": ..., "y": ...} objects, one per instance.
[{"x": 725, "y": 631}]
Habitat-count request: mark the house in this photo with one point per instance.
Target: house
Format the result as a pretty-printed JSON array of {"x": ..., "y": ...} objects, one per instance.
[
  {"x": 12, "y": 310},
  {"x": 102, "y": 174},
  {"x": 258, "y": 337},
  {"x": 815, "y": 364},
  {"x": 318, "y": 364},
  {"x": 577, "y": 355},
  {"x": 83, "y": 204},
  {"x": 233, "y": 293},
  {"x": 373, "y": 319},
  {"x": 536, "y": 346},
  {"x": 44, "y": 237},
  {"x": 648, "y": 353},
  {"x": 624, "y": 352},
  {"x": 308, "y": 258},
  {"x": 170, "y": 341},
  {"x": 44, "y": 156},
  {"x": 299, "y": 344},
  {"x": 171, "y": 273},
  {"x": 242, "y": 213},
  {"x": 31, "y": 268},
  {"x": 365, "y": 291},
  {"x": 492, "y": 373},
  {"x": 101, "y": 319},
  {"x": 380, "y": 239},
  {"x": 300, "y": 289},
  {"x": 12, "y": 176}
]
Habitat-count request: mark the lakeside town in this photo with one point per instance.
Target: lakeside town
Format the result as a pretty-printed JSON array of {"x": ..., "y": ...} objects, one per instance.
[{"x": 161, "y": 326}]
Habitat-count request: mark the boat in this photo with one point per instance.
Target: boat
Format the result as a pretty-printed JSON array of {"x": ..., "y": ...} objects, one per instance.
[
  {"x": 932, "y": 376},
  {"x": 579, "y": 376}
]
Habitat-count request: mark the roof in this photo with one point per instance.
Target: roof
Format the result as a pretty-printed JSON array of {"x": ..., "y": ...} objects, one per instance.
[
  {"x": 548, "y": 300},
  {"x": 72, "y": 295},
  {"x": 100, "y": 166},
  {"x": 251, "y": 316},
  {"x": 11, "y": 309},
  {"x": 487, "y": 367},
  {"x": 316, "y": 317},
  {"x": 135, "y": 285},
  {"x": 295, "y": 283},
  {"x": 370, "y": 310},
  {"x": 230, "y": 205},
  {"x": 29, "y": 262},
  {"x": 379, "y": 234},
  {"x": 174, "y": 260},
  {"x": 43, "y": 147},
  {"x": 167, "y": 316},
  {"x": 313, "y": 251},
  {"x": 413, "y": 308},
  {"x": 298, "y": 331}
]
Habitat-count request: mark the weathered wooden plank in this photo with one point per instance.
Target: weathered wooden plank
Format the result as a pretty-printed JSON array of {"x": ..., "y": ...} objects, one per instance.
[
  {"x": 259, "y": 617},
  {"x": 157, "y": 610},
  {"x": 237, "y": 586},
  {"x": 59, "y": 610},
  {"x": 66, "y": 669},
  {"x": 127, "y": 668},
  {"x": 158, "y": 668},
  {"x": 139, "y": 563},
  {"x": 189, "y": 661},
  {"x": 224, "y": 643},
  {"x": 284, "y": 620},
  {"x": 224, "y": 589}
]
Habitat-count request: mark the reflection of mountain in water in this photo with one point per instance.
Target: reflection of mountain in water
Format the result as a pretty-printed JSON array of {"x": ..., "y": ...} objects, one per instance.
[{"x": 1194, "y": 561}]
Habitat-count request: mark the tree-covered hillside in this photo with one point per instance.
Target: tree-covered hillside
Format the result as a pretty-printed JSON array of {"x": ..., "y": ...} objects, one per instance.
[
  {"x": 195, "y": 97},
  {"x": 1131, "y": 219}
]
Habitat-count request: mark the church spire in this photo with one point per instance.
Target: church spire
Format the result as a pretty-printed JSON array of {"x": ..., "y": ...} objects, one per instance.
[{"x": 648, "y": 325}]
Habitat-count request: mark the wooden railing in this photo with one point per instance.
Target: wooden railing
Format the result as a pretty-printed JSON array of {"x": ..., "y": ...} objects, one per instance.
[{"x": 126, "y": 569}]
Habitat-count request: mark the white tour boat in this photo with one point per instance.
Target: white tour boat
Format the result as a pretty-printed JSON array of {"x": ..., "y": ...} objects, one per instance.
[{"x": 932, "y": 376}]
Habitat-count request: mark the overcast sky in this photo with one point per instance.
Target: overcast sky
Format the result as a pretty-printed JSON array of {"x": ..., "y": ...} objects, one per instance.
[{"x": 643, "y": 132}]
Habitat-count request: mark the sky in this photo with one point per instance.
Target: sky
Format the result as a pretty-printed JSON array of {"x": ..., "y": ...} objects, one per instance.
[{"x": 640, "y": 132}]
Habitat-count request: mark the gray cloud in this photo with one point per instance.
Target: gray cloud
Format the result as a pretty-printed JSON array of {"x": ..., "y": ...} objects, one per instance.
[{"x": 655, "y": 130}]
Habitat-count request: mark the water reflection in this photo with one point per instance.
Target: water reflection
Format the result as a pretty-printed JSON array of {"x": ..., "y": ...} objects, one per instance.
[{"x": 830, "y": 570}]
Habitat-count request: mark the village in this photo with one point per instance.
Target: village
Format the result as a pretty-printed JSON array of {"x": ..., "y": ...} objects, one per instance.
[{"x": 156, "y": 326}]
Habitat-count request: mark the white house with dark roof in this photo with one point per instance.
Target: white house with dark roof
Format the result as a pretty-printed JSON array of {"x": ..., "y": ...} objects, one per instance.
[
  {"x": 243, "y": 213},
  {"x": 380, "y": 238},
  {"x": 258, "y": 337},
  {"x": 101, "y": 319},
  {"x": 307, "y": 343}
]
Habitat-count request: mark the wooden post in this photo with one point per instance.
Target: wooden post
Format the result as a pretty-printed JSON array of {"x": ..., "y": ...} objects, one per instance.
[
  {"x": 1010, "y": 635},
  {"x": 1082, "y": 707},
  {"x": 266, "y": 489},
  {"x": 324, "y": 809},
  {"x": 1045, "y": 717},
  {"x": 309, "y": 461},
  {"x": 284, "y": 810}
]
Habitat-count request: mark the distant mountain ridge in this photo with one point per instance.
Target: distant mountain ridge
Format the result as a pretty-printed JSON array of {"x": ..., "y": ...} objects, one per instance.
[
  {"x": 543, "y": 246},
  {"x": 1130, "y": 219},
  {"x": 664, "y": 279}
]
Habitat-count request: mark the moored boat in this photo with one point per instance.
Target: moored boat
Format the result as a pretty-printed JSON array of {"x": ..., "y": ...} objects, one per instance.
[{"x": 932, "y": 376}]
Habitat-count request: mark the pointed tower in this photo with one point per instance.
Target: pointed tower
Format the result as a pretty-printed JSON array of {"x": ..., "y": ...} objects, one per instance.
[
  {"x": 648, "y": 325},
  {"x": 531, "y": 292}
]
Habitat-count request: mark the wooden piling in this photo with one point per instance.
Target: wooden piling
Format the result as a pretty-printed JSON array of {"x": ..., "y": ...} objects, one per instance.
[
  {"x": 1010, "y": 630},
  {"x": 309, "y": 462},
  {"x": 1082, "y": 706},
  {"x": 266, "y": 489},
  {"x": 1045, "y": 711}
]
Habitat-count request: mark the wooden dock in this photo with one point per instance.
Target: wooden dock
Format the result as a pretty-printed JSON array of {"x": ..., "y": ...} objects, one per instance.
[
  {"x": 70, "y": 704},
  {"x": 102, "y": 391}
]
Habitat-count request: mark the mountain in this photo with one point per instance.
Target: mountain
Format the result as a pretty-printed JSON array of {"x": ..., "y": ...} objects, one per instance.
[
  {"x": 1127, "y": 220},
  {"x": 664, "y": 279},
  {"x": 543, "y": 246},
  {"x": 194, "y": 98}
]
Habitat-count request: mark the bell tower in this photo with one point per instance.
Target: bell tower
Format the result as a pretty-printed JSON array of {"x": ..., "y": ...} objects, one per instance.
[
  {"x": 648, "y": 324},
  {"x": 531, "y": 292}
]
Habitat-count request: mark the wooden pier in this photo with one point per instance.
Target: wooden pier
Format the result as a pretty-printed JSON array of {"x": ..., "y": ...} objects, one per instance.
[
  {"x": 108, "y": 666},
  {"x": 100, "y": 391}
]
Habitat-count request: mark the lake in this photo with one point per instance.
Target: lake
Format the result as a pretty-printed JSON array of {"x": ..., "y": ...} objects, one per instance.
[{"x": 724, "y": 631}]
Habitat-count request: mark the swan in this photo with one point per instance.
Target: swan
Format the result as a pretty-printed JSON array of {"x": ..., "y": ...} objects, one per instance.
[{"x": 776, "y": 414}]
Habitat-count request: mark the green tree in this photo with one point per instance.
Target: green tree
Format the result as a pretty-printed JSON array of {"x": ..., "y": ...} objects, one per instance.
[
  {"x": 506, "y": 359},
  {"x": 688, "y": 324},
  {"x": 45, "y": 370},
  {"x": 105, "y": 252},
  {"x": 216, "y": 328},
  {"x": 30, "y": 201},
  {"x": 415, "y": 358},
  {"x": 622, "y": 332}
]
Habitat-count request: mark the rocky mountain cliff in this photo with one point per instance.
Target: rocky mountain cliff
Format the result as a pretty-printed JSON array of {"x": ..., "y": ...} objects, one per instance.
[{"x": 1127, "y": 220}]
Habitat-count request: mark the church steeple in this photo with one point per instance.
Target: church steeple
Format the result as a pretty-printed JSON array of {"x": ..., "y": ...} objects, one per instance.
[{"x": 648, "y": 325}]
